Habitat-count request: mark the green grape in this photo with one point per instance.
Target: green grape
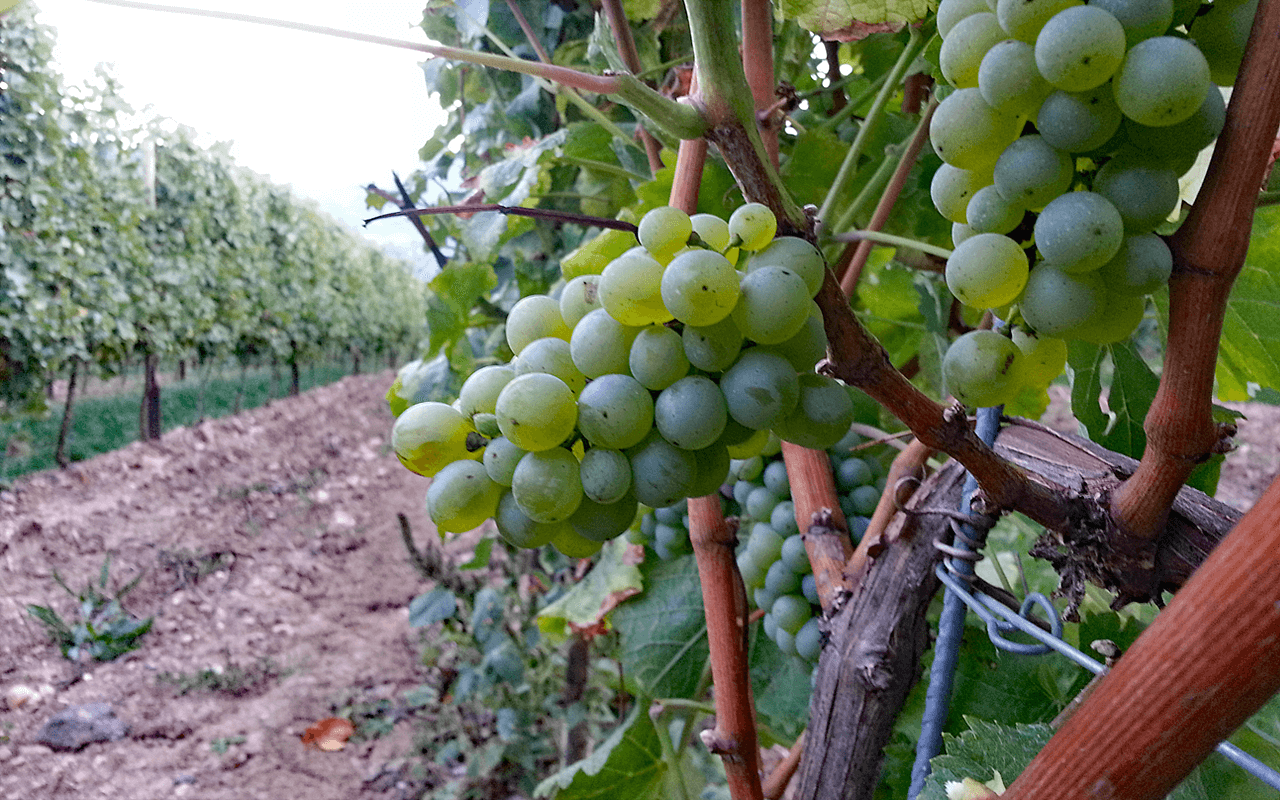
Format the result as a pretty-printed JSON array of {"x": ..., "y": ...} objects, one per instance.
[
  {"x": 752, "y": 574},
  {"x": 853, "y": 473},
  {"x": 1163, "y": 81},
  {"x": 537, "y": 411},
  {"x": 775, "y": 480},
  {"x": 615, "y": 411},
  {"x": 952, "y": 11},
  {"x": 712, "y": 348},
  {"x": 1080, "y": 48},
  {"x": 657, "y": 357},
  {"x": 664, "y": 230},
  {"x": 713, "y": 231},
  {"x": 951, "y": 189},
  {"x": 500, "y": 459},
  {"x": 1179, "y": 144},
  {"x": 516, "y": 528},
  {"x": 606, "y": 475},
  {"x": 1077, "y": 122},
  {"x": 429, "y": 436},
  {"x": 959, "y": 233},
  {"x": 780, "y": 580},
  {"x": 969, "y": 134},
  {"x": 1054, "y": 303},
  {"x": 964, "y": 47},
  {"x": 713, "y": 470},
  {"x": 580, "y": 295},
  {"x": 989, "y": 212},
  {"x": 753, "y": 445},
  {"x": 760, "y": 503},
  {"x": 550, "y": 356},
  {"x": 752, "y": 226},
  {"x": 631, "y": 289},
  {"x": 808, "y": 640},
  {"x": 794, "y": 555},
  {"x": 534, "y": 317},
  {"x": 748, "y": 469},
  {"x": 981, "y": 368},
  {"x": 786, "y": 642},
  {"x": 1023, "y": 19},
  {"x": 601, "y": 522},
  {"x": 672, "y": 541},
  {"x": 1009, "y": 80},
  {"x": 1079, "y": 232},
  {"x": 600, "y": 345},
  {"x": 1221, "y": 34},
  {"x": 1043, "y": 357},
  {"x": 461, "y": 496},
  {"x": 765, "y": 544},
  {"x": 547, "y": 485},
  {"x": 700, "y": 287},
  {"x": 486, "y": 425},
  {"x": 791, "y": 612},
  {"x": 1141, "y": 265},
  {"x": 783, "y": 519},
  {"x": 773, "y": 305},
  {"x": 1141, "y": 19},
  {"x": 1144, "y": 195},
  {"x": 573, "y": 544},
  {"x": 822, "y": 414},
  {"x": 807, "y": 347},
  {"x": 1032, "y": 172},
  {"x": 866, "y": 498},
  {"x": 1116, "y": 321},
  {"x": 479, "y": 392},
  {"x": 691, "y": 413},
  {"x": 760, "y": 389},
  {"x": 795, "y": 254},
  {"x": 661, "y": 473},
  {"x": 987, "y": 270}
]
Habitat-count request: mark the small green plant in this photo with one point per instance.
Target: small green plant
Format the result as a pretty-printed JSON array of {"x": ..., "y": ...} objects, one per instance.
[
  {"x": 232, "y": 679},
  {"x": 224, "y": 743},
  {"x": 104, "y": 630}
]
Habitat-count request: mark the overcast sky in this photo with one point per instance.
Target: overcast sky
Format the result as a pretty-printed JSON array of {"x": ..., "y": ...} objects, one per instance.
[{"x": 324, "y": 115}]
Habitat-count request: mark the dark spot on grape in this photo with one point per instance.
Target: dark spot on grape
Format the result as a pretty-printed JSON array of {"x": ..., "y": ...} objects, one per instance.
[{"x": 1086, "y": 60}]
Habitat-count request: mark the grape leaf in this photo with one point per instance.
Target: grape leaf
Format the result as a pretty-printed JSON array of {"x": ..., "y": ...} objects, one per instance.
[
  {"x": 663, "y": 631},
  {"x": 1250, "y": 347},
  {"x": 614, "y": 578},
  {"x": 983, "y": 750},
  {"x": 1130, "y": 386},
  {"x": 626, "y": 766},
  {"x": 434, "y": 606},
  {"x": 780, "y": 685},
  {"x": 832, "y": 16}
]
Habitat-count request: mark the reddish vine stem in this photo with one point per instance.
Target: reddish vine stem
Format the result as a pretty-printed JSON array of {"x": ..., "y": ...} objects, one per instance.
[
  {"x": 757, "y": 64},
  {"x": 1204, "y": 666},
  {"x": 851, "y": 272},
  {"x": 1208, "y": 253},
  {"x": 776, "y": 784},
  {"x": 818, "y": 515},
  {"x": 621, "y": 29}
]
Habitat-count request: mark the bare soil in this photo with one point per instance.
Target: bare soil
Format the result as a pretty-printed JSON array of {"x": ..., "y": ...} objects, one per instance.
[{"x": 266, "y": 540}]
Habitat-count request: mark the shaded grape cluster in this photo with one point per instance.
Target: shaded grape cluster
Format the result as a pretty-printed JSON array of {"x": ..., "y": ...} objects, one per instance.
[
  {"x": 1063, "y": 144},
  {"x": 637, "y": 384}
]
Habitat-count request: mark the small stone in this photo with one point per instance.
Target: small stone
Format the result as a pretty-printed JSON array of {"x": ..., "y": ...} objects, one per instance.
[
  {"x": 75, "y": 727},
  {"x": 19, "y": 695},
  {"x": 32, "y": 751},
  {"x": 6, "y": 753}
]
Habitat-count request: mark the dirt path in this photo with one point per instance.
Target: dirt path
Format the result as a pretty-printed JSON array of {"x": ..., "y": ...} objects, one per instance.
[{"x": 290, "y": 510}]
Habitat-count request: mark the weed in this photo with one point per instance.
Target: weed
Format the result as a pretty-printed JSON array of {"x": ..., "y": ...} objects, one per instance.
[
  {"x": 224, "y": 743},
  {"x": 189, "y": 566},
  {"x": 233, "y": 679},
  {"x": 104, "y": 631}
]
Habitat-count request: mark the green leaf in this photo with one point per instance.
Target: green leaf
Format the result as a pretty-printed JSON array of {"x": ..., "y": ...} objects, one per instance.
[
  {"x": 480, "y": 559},
  {"x": 814, "y": 159},
  {"x": 780, "y": 686},
  {"x": 1130, "y": 386},
  {"x": 1086, "y": 362},
  {"x": 828, "y": 17},
  {"x": 1250, "y": 348},
  {"x": 613, "y": 579},
  {"x": 626, "y": 766},
  {"x": 432, "y": 607},
  {"x": 982, "y": 751},
  {"x": 663, "y": 632}
]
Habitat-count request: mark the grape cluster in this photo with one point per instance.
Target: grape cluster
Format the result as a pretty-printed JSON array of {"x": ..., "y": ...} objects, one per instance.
[
  {"x": 1120, "y": 103},
  {"x": 638, "y": 384},
  {"x": 771, "y": 553}
]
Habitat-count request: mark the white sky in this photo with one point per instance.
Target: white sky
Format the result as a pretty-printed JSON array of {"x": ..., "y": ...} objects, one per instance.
[{"x": 325, "y": 115}]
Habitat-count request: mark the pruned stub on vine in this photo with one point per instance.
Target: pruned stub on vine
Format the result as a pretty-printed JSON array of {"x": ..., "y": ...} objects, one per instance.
[{"x": 1091, "y": 548}]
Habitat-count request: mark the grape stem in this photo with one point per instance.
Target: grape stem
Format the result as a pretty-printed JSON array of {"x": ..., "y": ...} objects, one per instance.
[
  {"x": 878, "y": 237},
  {"x": 519, "y": 211}
]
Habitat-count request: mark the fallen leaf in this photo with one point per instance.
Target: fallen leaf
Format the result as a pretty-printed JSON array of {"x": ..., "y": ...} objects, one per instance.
[{"x": 329, "y": 734}]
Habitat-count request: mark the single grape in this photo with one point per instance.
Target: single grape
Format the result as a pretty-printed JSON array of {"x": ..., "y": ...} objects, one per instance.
[
  {"x": 853, "y": 473},
  {"x": 866, "y": 498},
  {"x": 794, "y": 555},
  {"x": 750, "y": 468},
  {"x": 500, "y": 459},
  {"x": 661, "y": 473},
  {"x": 969, "y": 134},
  {"x": 600, "y": 345},
  {"x": 809, "y": 640},
  {"x": 550, "y": 356},
  {"x": 822, "y": 413},
  {"x": 1043, "y": 357},
  {"x": 786, "y": 642},
  {"x": 775, "y": 479},
  {"x": 713, "y": 470},
  {"x": 631, "y": 289},
  {"x": 713, "y": 231},
  {"x": 1142, "y": 265},
  {"x": 593, "y": 255},
  {"x": 712, "y": 348},
  {"x": 987, "y": 270},
  {"x": 536, "y": 411},
  {"x": 990, "y": 212},
  {"x": 1163, "y": 81},
  {"x": 952, "y": 188},
  {"x": 1221, "y": 34},
  {"x": 547, "y": 485},
  {"x": 1119, "y": 318},
  {"x": 1141, "y": 19},
  {"x": 780, "y": 580},
  {"x": 783, "y": 518},
  {"x": 534, "y": 317},
  {"x": 963, "y": 48},
  {"x": 790, "y": 612},
  {"x": 773, "y": 305},
  {"x": 752, "y": 226},
  {"x": 1023, "y": 19},
  {"x": 1144, "y": 194},
  {"x": 752, "y": 574},
  {"x": 1179, "y": 144},
  {"x": 1054, "y": 303},
  {"x": 606, "y": 475},
  {"x": 795, "y": 254},
  {"x": 807, "y": 347},
  {"x": 809, "y": 588},
  {"x": 691, "y": 413},
  {"x": 657, "y": 357},
  {"x": 580, "y": 295},
  {"x": 760, "y": 388},
  {"x": 572, "y": 544},
  {"x": 664, "y": 230},
  {"x": 1077, "y": 122},
  {"x": 700, "y": 287},
  {"x": 1080, "y": 48},
  {"x": 760, "y": 503},
  {"x": 1032, "y": 172},
  {"x": 981, "y": 368},
  {"x": 765, "y": 544},
  {"x": 1079, "y": 232},
  {"x": 1009, "y": 80},
  {"x": 601, "y": 522},
  {"x": 616, "y": 412},
  {"x": 428, "y": 436},
  {"x": 952, "y": 11},
  {"x": 461, "y": 496},
  {"x": 515, "y": 526},
  {"x": 959, "y": 233}
]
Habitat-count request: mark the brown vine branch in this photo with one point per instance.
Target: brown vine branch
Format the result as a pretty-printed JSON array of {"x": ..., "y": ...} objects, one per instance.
[
  {"x": 404, "y": 202},
  {"x": 757, "y": 65},
  {"x": 519, "y": 211},
  {"x": 1208, "y": 253},
  {"x": 776, "y": 784},
  {"x": 818, "y": 515}
]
